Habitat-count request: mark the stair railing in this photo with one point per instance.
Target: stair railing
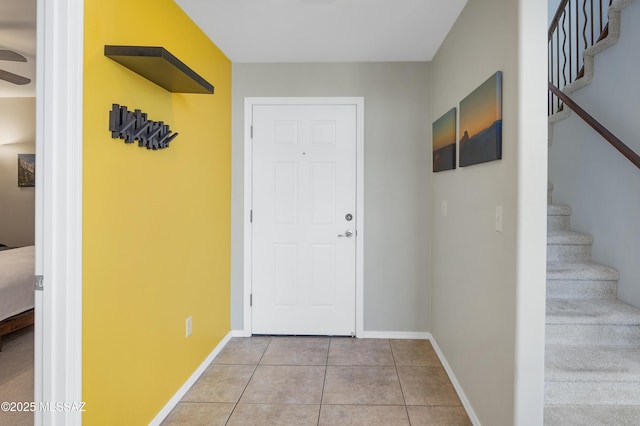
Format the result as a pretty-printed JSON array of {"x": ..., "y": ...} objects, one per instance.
[
  {"x": 595, "y": 124},
  {"x": 576, "y": 26}
]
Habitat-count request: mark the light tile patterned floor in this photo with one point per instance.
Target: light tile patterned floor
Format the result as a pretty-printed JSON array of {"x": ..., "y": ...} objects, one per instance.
[{"x": 322, "y": 381}]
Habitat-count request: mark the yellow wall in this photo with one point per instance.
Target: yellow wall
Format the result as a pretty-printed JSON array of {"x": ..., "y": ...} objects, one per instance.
[{"x": 156, "y": 223}]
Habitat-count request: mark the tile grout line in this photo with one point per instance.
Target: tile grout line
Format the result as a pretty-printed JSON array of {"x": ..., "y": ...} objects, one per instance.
[
  {"x": 324, "y": 381},
  {"x": 395, "y": 365},
  {"x": 248, "y": 381},
  {"x": 389, "y": 342}
]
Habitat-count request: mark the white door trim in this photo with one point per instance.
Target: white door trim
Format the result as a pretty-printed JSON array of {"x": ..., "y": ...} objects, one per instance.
[
  {"x": 249, "y": 103},
  {"x": 59, "y": 116}
]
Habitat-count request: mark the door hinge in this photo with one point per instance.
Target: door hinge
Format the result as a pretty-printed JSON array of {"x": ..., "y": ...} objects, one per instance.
[
  {"x": 39, "y": 286},
  {"x": 252, "y": 132},
  {"x": 250, "y": 216},
  {"x": 251, "y": 299}
]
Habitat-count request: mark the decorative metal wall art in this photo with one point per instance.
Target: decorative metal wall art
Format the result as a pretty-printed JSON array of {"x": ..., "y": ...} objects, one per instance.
[{"x": 134, "y": 126}]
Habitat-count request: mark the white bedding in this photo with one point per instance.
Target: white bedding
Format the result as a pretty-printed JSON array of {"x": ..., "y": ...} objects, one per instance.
[{"x": 17, "y": 269}]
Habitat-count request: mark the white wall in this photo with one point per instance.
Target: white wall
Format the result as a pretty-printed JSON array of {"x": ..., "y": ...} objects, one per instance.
[
  {"x": 487, "y": 311},
  {"x": 397, "y": 164},
  {"x": 601, "y": 186},
  {"x": 17, "y": 205}
]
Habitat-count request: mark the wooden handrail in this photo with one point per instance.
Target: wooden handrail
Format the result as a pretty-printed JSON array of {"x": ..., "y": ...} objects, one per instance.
[{"x": 603, "y": 131}]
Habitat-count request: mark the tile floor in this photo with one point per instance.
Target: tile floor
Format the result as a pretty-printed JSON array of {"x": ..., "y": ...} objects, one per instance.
[{"x": 322, "y": 381}]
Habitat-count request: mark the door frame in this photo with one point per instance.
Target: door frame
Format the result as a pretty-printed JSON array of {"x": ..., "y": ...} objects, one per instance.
[
  {"x": 58, "y": 217},
  {"x": 249, "y": 103}
]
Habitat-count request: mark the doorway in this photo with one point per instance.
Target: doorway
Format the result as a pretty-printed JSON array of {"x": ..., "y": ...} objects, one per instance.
[{"x": 303, "y": 230}]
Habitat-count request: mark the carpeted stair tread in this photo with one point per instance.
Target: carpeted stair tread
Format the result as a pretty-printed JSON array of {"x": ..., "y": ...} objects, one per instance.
[
  {"x": 592, "y": 415},
  {"x": 558, "y": 218},
  {"x": 580, "y": 271},
  {"x": 592, "y": 363},
  {"x": 592, "y": 393},
  {"x": 556, "y": 210},
  {"x": 568, "y": 238},
  {"x": 590, "y": 311}
]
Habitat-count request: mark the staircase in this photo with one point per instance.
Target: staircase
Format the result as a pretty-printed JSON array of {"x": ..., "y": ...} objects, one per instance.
[
  {"x": 592, "y": 367},
  {"x": 592, "y": 353}
]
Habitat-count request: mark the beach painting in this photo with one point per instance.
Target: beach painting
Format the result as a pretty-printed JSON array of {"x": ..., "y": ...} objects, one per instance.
[
  {"x": 481, "y": 123},
  {"x": 444, "y": 142}
]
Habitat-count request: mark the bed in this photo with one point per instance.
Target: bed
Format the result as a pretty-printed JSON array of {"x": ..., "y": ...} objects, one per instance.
[{"x": 17, "y": 297}]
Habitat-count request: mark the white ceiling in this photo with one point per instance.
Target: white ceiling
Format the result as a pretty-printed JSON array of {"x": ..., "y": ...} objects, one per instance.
[
  {"x": 18, "y": 33},
  {"x": 276, "y": 31},
  {"x": 325, "y": 30}
]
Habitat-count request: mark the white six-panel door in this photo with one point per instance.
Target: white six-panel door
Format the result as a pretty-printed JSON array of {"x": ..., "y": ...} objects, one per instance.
[{"x": 304, "y": 219}]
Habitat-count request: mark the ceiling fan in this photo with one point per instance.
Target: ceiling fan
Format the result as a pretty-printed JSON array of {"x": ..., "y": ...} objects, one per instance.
[{"x": 10, "y": 55}]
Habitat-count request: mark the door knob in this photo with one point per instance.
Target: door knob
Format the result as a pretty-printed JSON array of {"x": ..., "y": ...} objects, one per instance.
[{"x": 347, "y": 234}]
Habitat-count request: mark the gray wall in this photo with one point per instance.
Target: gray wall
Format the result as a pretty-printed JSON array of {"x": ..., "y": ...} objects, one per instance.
[
  {"x": 487, "y": 311},
  {"x": 17, "y": 205},
  {"x": 601, "y": 186},
  {"x": 397, "y": 164},
  {"x": 552, "y": 8}
]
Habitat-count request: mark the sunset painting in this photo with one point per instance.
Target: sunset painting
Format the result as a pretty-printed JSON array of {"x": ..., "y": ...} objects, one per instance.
[
  {"x": 444, "y": 142},
  {"x": 481, "y": 123},
  {"x": 26, "y": 170}
]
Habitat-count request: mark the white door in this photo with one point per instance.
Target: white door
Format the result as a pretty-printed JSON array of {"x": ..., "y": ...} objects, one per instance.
[{"x": 304, "y": 219}]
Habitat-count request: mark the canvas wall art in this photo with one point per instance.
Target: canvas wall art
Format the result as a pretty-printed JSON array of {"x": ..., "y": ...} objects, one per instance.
[
  {"x": 444, "y": 142},
  {"x": 481, "y": 123},
  {"x": 26, "y": 170}
]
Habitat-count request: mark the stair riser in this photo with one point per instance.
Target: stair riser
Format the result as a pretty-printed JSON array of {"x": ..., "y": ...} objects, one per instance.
[
  {"x": 592, "y": 334},
  {"x": 558, "y": 223},
  {"x": 568, "y": 253},
  {"x": 572, "y": 289},
  {"x": 620, "y": 393}
]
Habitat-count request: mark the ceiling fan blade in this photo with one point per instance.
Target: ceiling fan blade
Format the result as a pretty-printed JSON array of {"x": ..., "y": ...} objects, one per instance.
[
  {"x": 14, "y": 78},
  {"x": 10, "y": 55}
]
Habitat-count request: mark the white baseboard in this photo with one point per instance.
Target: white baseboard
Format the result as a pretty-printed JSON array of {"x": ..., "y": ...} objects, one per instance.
[
  {"x": 239, "y": 333},
  {"x": 463, "y": 398},
  {"x": 190, "y": 382},
  {"x": 395, "y": 335}
]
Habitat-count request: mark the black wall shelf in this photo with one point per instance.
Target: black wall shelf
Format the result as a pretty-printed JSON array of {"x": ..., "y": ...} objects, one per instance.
[{"x": 158, "y": 65}]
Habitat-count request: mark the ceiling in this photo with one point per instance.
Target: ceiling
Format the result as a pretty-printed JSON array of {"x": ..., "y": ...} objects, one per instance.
[
  {"x": 276, "y": 31},
  {"x": 325, "y": 30},
  {"x": 18, "y": 33}
]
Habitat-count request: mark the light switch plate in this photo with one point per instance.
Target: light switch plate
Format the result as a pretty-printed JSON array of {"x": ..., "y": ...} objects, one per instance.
[{"x": 189, "y": 326}]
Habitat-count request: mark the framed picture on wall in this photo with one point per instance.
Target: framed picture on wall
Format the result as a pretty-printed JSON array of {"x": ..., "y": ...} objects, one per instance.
[
  {"x": 444, "y": 142},
  {"x": 481, "y": 123},
  {"x": 26, "y": 170}
]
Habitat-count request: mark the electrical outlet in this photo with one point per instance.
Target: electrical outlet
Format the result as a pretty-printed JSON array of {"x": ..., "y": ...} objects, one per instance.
[
  {"x": 444, "y": 208},
  {"x": 499, "y": 218},
  {"x": 189, "y": 326}
]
